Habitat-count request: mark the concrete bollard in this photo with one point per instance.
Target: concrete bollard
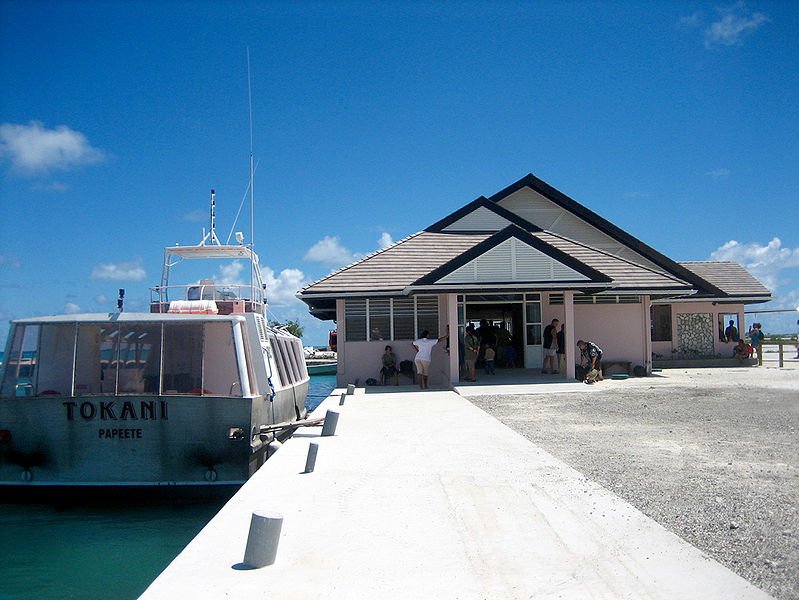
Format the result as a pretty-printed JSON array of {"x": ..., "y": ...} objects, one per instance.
[
  {"x": 263, "y": 539},
  {"x": 350, "y": 389},
  {"x": 310, "y": 462},
  {"x": 331, "y": 420},
  {"x": 341, "y": 400}
]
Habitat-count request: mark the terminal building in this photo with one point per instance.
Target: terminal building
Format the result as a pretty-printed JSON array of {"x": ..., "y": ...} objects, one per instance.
[{"x": 516, "y": 260}]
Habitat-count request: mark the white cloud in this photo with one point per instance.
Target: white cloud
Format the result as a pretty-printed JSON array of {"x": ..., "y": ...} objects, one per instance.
[
  {"x": 35, "y": 150},
  {"x": 330, "y": 251},
  {"x": 71, "y": 308},
  {"x": 718, "y": 173},
  {"x": 691, "y": 21},
  {"x": 764, "y": 262},
  {"x": 53, "y": 186},
  {"x": 196, "y": 216},
  {"x": 123, "y": 271},
  {"x": 282, "y": 290},
  {"x": 735, "y": 23},
  {"x": 232, "y": 273},
  {"x": 101, "y": 299},
  {"x": 10, "y": 261},
  {"x": 385, "y": 240}
]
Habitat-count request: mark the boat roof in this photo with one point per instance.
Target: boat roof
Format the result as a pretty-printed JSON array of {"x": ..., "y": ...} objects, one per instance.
[
  {"x": 212, "y": 251},
  {"x": 125, "y": 317}
]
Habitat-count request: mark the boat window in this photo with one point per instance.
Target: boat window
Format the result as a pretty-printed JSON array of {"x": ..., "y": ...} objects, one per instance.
[
  {"x": 56, "y": 354},
  {"x": 20, "y": 362},
  {"x": 183, "y": 358},
  {"x": 282, "y": 371},
  {"x": 92, "y": 361},
  {"x": 296, "y": 346},
  {"x": 220, "y": 367},
  {"x": 288, "y": 346},
  {"x": 139, "y": 358}
]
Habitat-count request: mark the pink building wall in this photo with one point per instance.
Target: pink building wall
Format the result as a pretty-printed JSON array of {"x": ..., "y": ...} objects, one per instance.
[
  {"x": 619, "y": 329},
  {"x": 359, "y": 361},
  {"x": 720, "y": 348}
]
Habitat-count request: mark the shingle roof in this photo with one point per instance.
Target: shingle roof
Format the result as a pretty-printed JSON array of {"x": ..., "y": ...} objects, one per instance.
[
  {"x": 729, "y": 277},
  {"x": 412, "y": 259},
  {"x": 399, "y": 265},
  {"x": 626, "y": 275}
]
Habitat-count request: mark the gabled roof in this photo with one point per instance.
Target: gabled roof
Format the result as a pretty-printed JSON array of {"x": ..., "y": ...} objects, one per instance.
[
  {"x": 485, "y": 245},
  {"x": 422, "y": 260},
  {"x": 731, "y": 278},
  {"x": 534, "y": 183}
]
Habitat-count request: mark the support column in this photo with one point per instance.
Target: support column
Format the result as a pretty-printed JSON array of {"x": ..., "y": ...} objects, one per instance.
[
  {"x": 646, "y": 302},
  {"x": 569, "y": 339},
  {"x": 452, "y": 321}
]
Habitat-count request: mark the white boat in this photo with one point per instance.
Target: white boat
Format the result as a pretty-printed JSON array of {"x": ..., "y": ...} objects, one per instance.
[{"x": 187, "y": 394}]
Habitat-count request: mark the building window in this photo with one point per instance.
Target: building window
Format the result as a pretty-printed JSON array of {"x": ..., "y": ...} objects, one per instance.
[
  {"x": 399, "y": 318},
  {"x": 379, "y": 319},
  {"x": 661, "y": 322},
  {"x": 355, "y": 319},
  {"x": 729, "y": 328}
]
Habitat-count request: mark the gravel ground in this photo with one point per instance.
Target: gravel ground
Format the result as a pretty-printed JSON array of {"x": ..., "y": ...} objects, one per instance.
[{"x": 710, "y": 454}]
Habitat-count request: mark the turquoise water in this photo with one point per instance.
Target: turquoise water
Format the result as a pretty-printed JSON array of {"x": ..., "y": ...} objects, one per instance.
[{"x": 107, "y": 549}]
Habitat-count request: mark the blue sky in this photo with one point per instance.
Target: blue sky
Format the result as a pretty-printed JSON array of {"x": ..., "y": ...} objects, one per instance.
[{"x": 677, "y": 121}]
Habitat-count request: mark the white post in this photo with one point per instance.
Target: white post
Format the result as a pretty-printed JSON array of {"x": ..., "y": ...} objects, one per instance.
[
  {"x": 452, "y": 320},
  {"x": 569, "y": 339},
  {"x": 646, "y": 303}
]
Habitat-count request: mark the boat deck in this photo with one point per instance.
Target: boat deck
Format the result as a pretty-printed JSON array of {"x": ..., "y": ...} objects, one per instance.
[{"x": 423, "y": 495}]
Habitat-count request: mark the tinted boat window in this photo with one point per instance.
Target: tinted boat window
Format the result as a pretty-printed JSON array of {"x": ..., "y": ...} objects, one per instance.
[
  {"x": 21, "y": 362},
  {"x": 56, "y": 353},
  {"x": 183, "y": 352}
]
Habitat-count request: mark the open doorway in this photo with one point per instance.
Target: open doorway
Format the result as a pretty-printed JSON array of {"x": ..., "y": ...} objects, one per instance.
[{"x": 502, "y": 326}]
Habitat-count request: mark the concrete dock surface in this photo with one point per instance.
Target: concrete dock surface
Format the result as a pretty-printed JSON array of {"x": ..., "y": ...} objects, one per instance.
[{"x": 423, "y": 495}]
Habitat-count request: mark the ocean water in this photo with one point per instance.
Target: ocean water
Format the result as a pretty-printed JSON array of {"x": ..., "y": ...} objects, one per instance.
[{"x": 108, "y": 548}]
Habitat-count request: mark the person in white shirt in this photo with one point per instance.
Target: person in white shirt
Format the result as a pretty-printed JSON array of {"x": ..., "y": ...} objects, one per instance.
[
  {"x": 424, "y": 355},
  {"x": 797, "y": 338}
]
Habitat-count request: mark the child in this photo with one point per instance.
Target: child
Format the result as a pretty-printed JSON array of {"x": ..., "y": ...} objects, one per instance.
[
  {"x": 389, "y": 369},
  {"x": 489, "y": 357}
]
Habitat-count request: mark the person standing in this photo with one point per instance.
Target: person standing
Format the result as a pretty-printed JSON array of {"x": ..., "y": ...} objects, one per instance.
[
  {"x": 757, "y": 337},
  {"x": 561, "y": 352},
  {"x": 731, "y": 333},
  {"x": 471, "y": 348},
  {"x": 551, "y": 347},
  {"x": 489, "y": 356},
  {"x": 797, "y": 338},
  {"x": 424, "y": 356}
]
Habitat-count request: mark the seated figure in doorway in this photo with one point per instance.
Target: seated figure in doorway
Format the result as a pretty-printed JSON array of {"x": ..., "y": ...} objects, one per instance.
[
  {"x": 389, "y": 368},
  {"x": 741, "y": 350}
]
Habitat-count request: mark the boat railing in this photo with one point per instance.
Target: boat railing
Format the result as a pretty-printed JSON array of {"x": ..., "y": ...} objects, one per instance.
[{"x": 228, "y": 298}]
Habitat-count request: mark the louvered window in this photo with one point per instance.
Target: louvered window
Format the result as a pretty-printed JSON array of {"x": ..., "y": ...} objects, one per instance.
[
  {"x": 426, "y": 314},
  {"x": 403, "y": 319},
  {"x": 355, "y": 317},
  {"x": 398, "y": 318},
  {"x": 379, "y": 319}
]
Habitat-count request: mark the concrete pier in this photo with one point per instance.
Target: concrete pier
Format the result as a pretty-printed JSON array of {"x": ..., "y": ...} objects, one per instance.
[{"x": 423, "y": 495}]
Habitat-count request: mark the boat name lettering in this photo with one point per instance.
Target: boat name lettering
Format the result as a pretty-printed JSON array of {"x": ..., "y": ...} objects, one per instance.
[
  {"x": 148, "y": 410},
  {"x": 119, "y": 434}
]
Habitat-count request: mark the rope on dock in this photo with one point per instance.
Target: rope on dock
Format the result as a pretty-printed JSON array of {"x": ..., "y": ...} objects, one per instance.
[{"x": 292, "y": 425}]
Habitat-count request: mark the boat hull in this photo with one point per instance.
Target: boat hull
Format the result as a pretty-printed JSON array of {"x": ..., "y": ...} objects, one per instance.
[{"x": 138, "y": 440}]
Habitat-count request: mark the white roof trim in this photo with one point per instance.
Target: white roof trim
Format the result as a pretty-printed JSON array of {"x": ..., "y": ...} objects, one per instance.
[{"x": 513, "y": 261}]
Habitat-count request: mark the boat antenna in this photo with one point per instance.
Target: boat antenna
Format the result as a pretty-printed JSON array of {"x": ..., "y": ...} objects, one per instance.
[
  {"x": 211, "y": 235},
  {"x": 252, "y": 177}
]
